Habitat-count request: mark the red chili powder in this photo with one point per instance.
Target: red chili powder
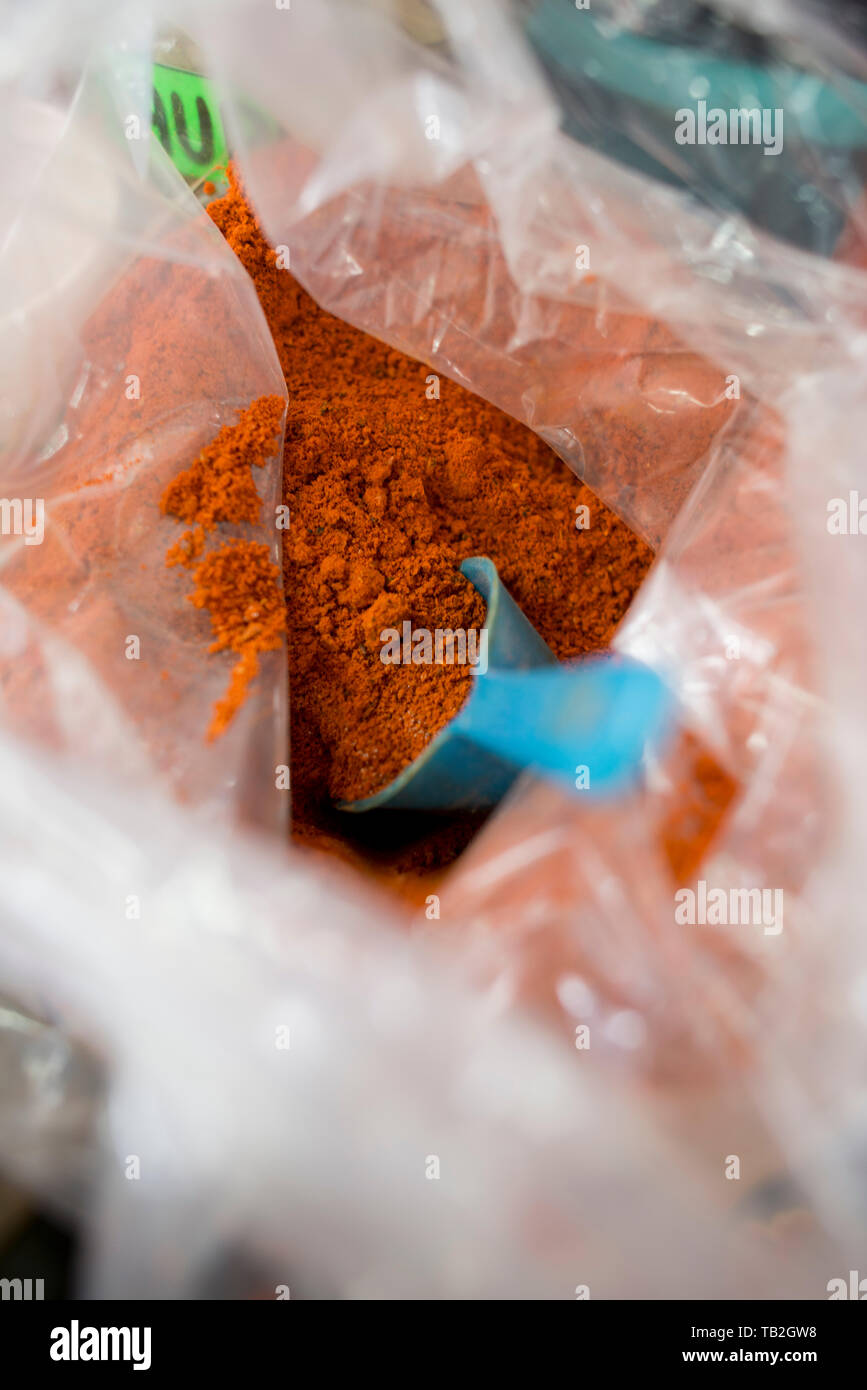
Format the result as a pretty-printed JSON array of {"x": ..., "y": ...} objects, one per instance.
[
  {"x": 392, "y": 479},
  {"x": 392, "y": 476}
]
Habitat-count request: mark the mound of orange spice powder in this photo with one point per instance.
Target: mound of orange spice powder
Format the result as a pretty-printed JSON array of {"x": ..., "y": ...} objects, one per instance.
[{"x": 390, "y": 485}]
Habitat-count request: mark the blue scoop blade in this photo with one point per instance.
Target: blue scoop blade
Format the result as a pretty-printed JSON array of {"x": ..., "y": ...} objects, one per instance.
[{"x": 585, "y": 724}]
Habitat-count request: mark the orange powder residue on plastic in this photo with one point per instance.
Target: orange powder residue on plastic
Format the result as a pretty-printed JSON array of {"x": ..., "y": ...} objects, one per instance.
[
  {"x": 219, "y": 484},
  {"x": 239, "y": 586},
  {"x": 698, "y": 802},
  {"x": 237, "y": 583}
]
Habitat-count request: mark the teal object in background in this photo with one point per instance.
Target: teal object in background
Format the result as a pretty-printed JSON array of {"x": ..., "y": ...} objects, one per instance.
[
  {"x": 665, "y": 76},
  {"x": 619, "y": 91},
  {"x": 529, "y": 711}
]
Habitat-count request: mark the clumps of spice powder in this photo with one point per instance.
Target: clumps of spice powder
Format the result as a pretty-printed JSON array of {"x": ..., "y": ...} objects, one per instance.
[
  {"x": 388, "y": 491},
  {"x": 237, "y": 583}
]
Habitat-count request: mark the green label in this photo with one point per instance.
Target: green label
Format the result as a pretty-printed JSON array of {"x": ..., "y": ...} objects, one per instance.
[{"x": 186, "y": 120}]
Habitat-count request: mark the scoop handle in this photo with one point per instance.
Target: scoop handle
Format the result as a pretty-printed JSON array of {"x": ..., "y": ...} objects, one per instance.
[{"x": 586, "y": 724}]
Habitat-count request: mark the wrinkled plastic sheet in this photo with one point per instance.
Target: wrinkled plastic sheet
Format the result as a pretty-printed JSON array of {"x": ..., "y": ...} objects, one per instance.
[{"x": 148, "y": 1043}]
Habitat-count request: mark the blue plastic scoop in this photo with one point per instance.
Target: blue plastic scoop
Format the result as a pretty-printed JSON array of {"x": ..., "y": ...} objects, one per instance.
[{"x": 585, "y": 724}]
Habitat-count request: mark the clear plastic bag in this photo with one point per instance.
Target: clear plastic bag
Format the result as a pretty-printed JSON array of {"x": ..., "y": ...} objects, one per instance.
[{"x": 706, "y": 380}]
